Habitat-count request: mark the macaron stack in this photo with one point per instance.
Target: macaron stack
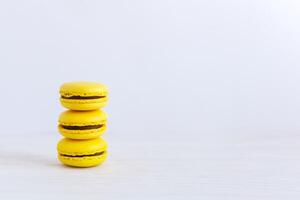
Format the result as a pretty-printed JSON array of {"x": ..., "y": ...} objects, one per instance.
[{"x": 83, "y": 124}]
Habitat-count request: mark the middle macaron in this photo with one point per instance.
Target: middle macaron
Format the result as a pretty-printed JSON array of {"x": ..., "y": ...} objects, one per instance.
[{"x": 82, "y": 124}]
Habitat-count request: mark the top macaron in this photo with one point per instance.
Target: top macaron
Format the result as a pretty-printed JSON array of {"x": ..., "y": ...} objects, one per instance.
[{"x": 83, "y": 95}]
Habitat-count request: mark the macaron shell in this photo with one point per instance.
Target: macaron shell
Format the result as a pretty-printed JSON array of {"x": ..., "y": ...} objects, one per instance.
[
  {"x": 81, "y": 105},
  {"x": 81, "y": 147},
  {"x": 82, "y": 134},
  {"x": 81, "y": 118},
  {"x": 83, "y": 162},
  {"x": 83, "y": 88}
]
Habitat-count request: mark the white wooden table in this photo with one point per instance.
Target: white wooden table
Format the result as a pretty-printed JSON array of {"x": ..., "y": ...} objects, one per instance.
[{"x": 257, "y": 167}]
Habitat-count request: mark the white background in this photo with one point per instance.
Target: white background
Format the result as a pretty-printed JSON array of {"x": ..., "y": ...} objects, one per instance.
[{"x": 204, "y": 97}]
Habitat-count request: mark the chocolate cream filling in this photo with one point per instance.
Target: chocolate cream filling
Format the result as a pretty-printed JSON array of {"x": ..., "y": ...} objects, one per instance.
[
  {"x": 82, "y": 97},
  {"x": 88, "y": 127},
  {"x": 84, "y": 155}
]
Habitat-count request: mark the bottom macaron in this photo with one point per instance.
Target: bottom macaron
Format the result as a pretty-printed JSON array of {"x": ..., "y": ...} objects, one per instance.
[{"x": 82, "y": 153}]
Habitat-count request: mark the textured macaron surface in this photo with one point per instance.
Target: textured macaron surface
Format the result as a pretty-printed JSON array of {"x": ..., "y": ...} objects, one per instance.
[
  {"x": 86, "y": 161},
  {"x": 81, "y": 147},
  {"x": 82, "y": 118},
  {"x": 83, "y": 89}
]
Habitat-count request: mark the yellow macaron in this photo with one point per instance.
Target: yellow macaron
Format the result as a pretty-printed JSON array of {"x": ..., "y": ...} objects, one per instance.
[
  {"x": 82, "y": 153},
  {"x": 82, "y": 124},
  {"x": 83, "y": 95}
]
